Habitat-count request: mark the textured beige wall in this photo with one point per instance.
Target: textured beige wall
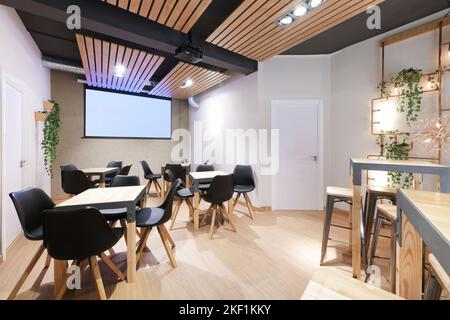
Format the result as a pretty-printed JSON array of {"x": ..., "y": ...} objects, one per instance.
[{"x": 98, "y": 152}]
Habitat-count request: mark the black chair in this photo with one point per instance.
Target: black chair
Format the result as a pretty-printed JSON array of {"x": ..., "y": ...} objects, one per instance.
[
  {"x": 78, "y": 235},
  {"x": 204, "y": 168},
  {"x": 123, "y": 172},
  {"x": 151, "y": 177},
  {"x": 244, "y": 182},
  {"x": 68, "y": 167},
  {"x": 30, "y": 205},
  {"x": 75, "y": 182},
  {"x": 183, "y": 194},
  {"x": 148, "y": 218},
  {"x": 114, "y": 164},
  {"x": 220, "y": 191}
]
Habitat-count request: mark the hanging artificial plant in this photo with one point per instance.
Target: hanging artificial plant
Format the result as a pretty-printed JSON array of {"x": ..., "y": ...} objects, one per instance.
[
  {"x": 396, "y": 150},
  {"x": 51, "y": 137},
  {"x": 407, "y": 82}
]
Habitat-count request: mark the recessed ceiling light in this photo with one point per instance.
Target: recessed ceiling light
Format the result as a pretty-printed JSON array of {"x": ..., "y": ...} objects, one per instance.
[
  {"x": 285, "y": 21},
  {"x": 300, "y": 11},
  {"x": 315, "y": 3},
  {"x": 119, "y": 70},
  {"x": 187, "y": 84}
]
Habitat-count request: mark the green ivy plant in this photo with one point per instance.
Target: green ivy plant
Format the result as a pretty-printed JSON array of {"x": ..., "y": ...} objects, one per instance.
[
  {"x": 52, "y": 127},
  {"x": 397, "y": 150},
  {"x": 410, "y": 92}
]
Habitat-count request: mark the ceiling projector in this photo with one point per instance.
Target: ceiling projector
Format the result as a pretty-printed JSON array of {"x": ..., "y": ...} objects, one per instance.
[{"x": 189, "y": 54}]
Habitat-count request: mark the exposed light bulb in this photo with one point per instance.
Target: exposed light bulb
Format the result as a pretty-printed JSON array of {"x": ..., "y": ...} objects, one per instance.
[
  {"x": 286, "y": 21},
  {"x": 119, "y": 70},
  {"x": 315, "y": 3},
  {"x": 300, "y": 11}
]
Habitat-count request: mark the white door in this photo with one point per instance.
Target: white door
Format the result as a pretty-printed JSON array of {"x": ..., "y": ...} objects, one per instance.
[
  {"x": 12, "y": 161},
  {"x": 296, "y": 186}
]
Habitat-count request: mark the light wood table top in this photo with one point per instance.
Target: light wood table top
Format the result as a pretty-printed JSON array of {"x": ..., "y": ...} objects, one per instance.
[
  {"x": 329, "y": 283},
  {"x": 105, "y": 197},
  {"x": 429, "y": 213},
  {"x": 98, "y": 171},
  {"x": 206, "y": 175},
  {"x": 388, "y": 162}
]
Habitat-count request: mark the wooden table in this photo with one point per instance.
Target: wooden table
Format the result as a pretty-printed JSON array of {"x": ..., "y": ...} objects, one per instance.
[
  {"x": 424, "y": 217},
  {"x": 357, "y": 166},
  {"x": 204, "y": 177},
  {"x": 100, "y": 172},
  {"x": 106, "y": 198}
]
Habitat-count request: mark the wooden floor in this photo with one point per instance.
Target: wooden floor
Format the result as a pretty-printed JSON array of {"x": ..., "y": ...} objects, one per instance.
[{"x": 272, "y": 257}]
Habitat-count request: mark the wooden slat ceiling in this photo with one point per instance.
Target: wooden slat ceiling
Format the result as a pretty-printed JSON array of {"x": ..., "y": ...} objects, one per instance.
[
  {"x": 202, "y": 78},
  {"x": 180, "y": 15},
  {"x": 250, "y": 30},
  {"x": 100, "y": 58}
]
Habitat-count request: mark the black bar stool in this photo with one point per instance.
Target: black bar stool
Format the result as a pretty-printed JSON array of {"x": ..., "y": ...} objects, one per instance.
[
  {"x": 385, "y": 213},
  {"x": 373, "y": 195},
  {"x": 334, "y": 195}
]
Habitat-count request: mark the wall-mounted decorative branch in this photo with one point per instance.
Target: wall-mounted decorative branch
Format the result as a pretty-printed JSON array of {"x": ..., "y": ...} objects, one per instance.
[{"x": 52, "y": 127}]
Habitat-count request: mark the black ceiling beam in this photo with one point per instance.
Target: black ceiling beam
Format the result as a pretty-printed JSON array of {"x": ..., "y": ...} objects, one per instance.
[{"x": 97, "y": 17}]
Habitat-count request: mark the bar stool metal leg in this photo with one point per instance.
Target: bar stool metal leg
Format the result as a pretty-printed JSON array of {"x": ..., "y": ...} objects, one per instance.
[
  {"x": 326, "y": 227},
  {"x": 376, "y": 235},
  {"x": 434, "y": 289},
  {"x": 393, "y": 261}
]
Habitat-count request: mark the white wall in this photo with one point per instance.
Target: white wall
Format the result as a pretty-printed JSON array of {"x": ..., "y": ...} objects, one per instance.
[
  {"x": 346, "y": 81},
  {"x": 20, "y": 61}
]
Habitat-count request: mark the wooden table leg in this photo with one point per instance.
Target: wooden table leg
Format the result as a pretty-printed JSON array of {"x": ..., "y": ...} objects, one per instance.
[
  {"x": 356, "y": 232},
  {"x": 196, "y": 211},
  {"x": 230, "y": 214},
  {"x": 409, "y": 262},
  {"x": 131, "y": 254},
  {"x": 102, "y": 183},
  {"x": 60, "y": 278}
]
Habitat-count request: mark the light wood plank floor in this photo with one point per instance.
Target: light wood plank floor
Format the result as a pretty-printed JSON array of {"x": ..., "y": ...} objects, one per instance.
[{"x": 272, "y": 257}]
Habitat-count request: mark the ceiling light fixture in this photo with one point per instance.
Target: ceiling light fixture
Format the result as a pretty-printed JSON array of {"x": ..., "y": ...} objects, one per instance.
[
  {"x": 300, "y": 11},
  {"x": 315, "y": 3},
  {"x": 187, "y": 84},
  {"x": 285, "y": 21},
  {"x": 119, "y": 70}
]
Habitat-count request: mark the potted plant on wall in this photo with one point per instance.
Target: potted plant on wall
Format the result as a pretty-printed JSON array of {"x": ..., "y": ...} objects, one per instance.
[{"x": 51, "y": 132}]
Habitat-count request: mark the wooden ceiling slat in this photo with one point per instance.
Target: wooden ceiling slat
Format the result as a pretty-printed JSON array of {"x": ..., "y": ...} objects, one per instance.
[
  {"x": 234, "y": 15},
  {"x": 100, "y": 58},
  {"x": 192, "y": 4},
  {"x": 321, "y": 25},
  {"x": 196, "y": 15},
  {"x": 176, "y": 13},
  {"x": 254, "y": 9},
  {"x": 119, "y": 60},
  {"x": 166, "y": 10},
  {"x": 112, "y": 64},
  {"x": 105, "y": 63},
  {"x": 276, "y": 33},
  {"x": 91, "y": 57},
  {"x": 156, "y": 9},
  {"x": 137, "y": 65},
  {"x": 264, "y": 22},
  {"x": 145, "y": 8},
  {"x": 84, "y": 59},
  {"x": 123, "y": 4},
  {"x": 113, "y": 2},
  {"x": 134, "y": 6},
  {"x": 202, "y": 78},
  {"x": 254, "y": 34}
]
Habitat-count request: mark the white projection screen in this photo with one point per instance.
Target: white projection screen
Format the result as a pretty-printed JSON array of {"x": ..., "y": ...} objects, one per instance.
[{"x": 120, "y": 115}]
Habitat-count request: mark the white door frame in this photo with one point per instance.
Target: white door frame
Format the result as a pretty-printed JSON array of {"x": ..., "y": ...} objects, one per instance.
[
  {"x": 320, "y": 151},
  {"x": 5, "y": 79}
]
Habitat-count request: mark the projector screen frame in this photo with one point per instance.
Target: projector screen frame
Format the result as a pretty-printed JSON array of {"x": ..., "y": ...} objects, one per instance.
[{"x": 87, "y": 87}]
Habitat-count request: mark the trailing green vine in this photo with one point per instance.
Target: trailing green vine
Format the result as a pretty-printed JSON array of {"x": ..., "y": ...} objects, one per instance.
[
  {"x": 52, "y": 127},
  {"x": 407, "y": 82},
  {"x": 397, "y": 150}
]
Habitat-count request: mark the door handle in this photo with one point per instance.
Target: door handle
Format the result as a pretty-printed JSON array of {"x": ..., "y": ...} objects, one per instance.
[
  {"x": 313, "y": 158},
  {"x": 22, "y": 163}
]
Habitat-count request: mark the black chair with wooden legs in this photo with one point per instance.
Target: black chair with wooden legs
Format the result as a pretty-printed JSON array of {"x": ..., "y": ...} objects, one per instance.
[
  {"x": 75, "y": 182},
  {"x": 30, "y": 205},
  {"x": 120, "y": 214},
  {"x": 220, "y": 191},
  {"x": 123, "y": 172},
  {"x": 148, "y": 218},
  {"x": 204, "y": 168},
  {"x": 183, "y": 194},
  {"x": 152, "y": 178},
  {"x": 78, "y": 235},
  {"x": 244, "y": 183}
]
